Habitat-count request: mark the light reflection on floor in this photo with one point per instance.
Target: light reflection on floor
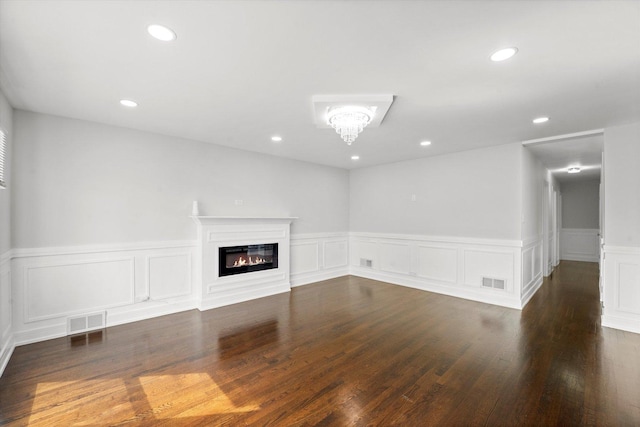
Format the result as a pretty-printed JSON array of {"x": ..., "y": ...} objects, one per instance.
[
  {"x": 171, "y": 388},
  {"x": 196, "y": 391}
]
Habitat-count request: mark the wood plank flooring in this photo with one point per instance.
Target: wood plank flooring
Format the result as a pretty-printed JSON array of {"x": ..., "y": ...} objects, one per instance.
[{"x": 348, "y": 351}]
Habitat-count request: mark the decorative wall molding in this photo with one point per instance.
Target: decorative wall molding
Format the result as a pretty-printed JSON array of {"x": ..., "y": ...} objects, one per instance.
[
  {"x": 318, "y": 256},
  {"x": 57, "y": 289},
  {"x": 454, "y": 266},
  {"x": 87, "y": 249},
  {"x": 532, "y": 263},
  {"x": 580, "y": 244},
  {"x": 135, "y": 282},
  {"x": 622, "y": 288},
  {"x": 442, "y": 239}
]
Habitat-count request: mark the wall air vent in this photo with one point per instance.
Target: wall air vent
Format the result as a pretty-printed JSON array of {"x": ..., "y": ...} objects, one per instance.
[
  {"x": 366, "y": 263},
  {"x": 488, "y": 282},
  {"x": 86, "y": 322}
]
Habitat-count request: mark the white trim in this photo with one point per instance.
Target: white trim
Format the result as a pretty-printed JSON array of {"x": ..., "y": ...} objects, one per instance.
[
  {"x": 6, "y": 352},
  {"x": 315, "y": 236},
  {"x": 440, "y": 239},
  {"x": 301, "y": 279},
  {"x": 488, "y": 296},
  {"x": 563, "y": 137},
  {"x": 462, "y": 274},
  {"x": 75, "y": 250},
  {"x": 28, "y": 318},
  {"x": 621, "y": 250},
  {"x": 622, "y": 323}
]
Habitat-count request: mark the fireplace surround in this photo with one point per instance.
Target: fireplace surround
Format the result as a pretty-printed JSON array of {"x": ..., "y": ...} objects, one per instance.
[{"x": 258, "y": 246}]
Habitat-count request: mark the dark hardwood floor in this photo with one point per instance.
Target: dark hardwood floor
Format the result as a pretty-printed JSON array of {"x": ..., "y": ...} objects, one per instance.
[{"x": 347, "y": 351}]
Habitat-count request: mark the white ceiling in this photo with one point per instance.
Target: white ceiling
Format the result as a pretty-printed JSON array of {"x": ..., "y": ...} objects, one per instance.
[
  {"x": 558, "y": 155},
  {"x": 242, "y": 71}
]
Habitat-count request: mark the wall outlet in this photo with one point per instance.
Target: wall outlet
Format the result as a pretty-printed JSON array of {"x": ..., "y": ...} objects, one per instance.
[{"x": 238, "y": 202}]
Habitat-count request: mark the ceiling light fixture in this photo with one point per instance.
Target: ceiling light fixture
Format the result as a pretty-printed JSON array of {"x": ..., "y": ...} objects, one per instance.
[
  {"x": 161, "y": 32},
  {"x": 504, "y": 54},
  {"x": 574, "y": 169},
  {"x": 540, "y": 120},
  {"x": 355, "y": 157},
  {"x": 128, "y": 103},
  {"x": 276, "y": 138},
  {"x": 349, "y": 121},
  {"x": 425, "y": 143}
]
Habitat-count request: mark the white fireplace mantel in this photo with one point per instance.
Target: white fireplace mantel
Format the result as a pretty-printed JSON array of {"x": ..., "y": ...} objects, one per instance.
[
  {"x": 204, "y": 220},
  {"x": 215, "y": 232}
]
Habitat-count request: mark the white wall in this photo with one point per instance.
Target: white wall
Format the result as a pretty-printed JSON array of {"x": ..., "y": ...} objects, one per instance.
[
  {"x": 6, "y": 123},
  {"x": 581, "y": 204},
  {"x": 70, "y": 175},
  {"x": 622, "y": 185},
  {"x": 100, "y": 219},
  {"x": 6, "y": 340},
  {"x": 474, "y": 194},
  {"x": 463, "y": 228},
  {"x": 579, "y": 237},
  {"x": 622, "y": 228}
]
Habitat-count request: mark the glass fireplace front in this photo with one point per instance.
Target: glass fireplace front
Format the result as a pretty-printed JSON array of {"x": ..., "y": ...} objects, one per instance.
[{"x": 247, "y": 258}]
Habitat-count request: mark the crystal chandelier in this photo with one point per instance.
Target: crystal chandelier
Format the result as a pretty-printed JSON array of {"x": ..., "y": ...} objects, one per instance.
[{"x": 349, "y": 121}]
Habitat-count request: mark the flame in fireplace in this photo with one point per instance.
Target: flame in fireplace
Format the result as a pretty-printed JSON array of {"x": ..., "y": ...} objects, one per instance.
[{"x": 242, "y": 261}]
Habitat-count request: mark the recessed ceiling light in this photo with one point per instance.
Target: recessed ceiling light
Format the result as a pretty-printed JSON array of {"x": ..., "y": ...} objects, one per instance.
[
  {"x": 540, "y": 120},
  {"x": 276, "y": 138},
  {"x": 574, "y": 169},
  {"x": 128, "y": 103},
  {"x": 504, "y": 54},
  {"x": 161, "y": 32},
  {"x": 425, "y": 143},
  {"x": 355, "y": 157}
]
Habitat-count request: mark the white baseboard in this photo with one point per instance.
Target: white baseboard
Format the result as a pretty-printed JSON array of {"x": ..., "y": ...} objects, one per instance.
[
  {"x": 6, "y": 351},
  {"x": 495, "y": 297},
  {"x": 208, "y": 304},
  {"x": 147, "y": 310},
  {"x": 302, "y": 279},
  {"x": 531, "y": 291},
  {"x": 319, "y": 256},
  {"x": 458, "y": 267},
  {"x": 624, "y": 324}
]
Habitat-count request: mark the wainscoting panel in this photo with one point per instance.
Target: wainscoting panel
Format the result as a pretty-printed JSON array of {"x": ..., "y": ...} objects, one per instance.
[
  {"x": 305, "y": 257},
  {"x": 579, "y": 244},
  {"x": 622, "y": 288},
  {"x": 131, "y": 282},
  {"x": 65, "y": 289},
  {"x": 451, "y": 266},
  {"x": 318, "y": 256},
  {"x": 394, "y": 257},
  {"x": 438, "y": 263},
  {"x": 169, "y": 275},
  {"x": 532, "y": 275},
  {"x": 336, "y": 253}
]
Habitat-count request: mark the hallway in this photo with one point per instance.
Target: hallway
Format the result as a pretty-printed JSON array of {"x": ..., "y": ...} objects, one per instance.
[
  {"x": 583, "y": 373},
  {"x": 347, "y": 351}
]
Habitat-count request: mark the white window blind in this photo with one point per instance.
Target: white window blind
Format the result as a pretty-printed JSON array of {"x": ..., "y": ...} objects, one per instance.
[{"x": 3, "y": 157}]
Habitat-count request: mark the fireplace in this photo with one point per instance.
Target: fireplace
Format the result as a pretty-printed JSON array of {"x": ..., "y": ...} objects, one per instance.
[
  {"x": 247, "y": 258},
  {"x": 222, "y": 240}
]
